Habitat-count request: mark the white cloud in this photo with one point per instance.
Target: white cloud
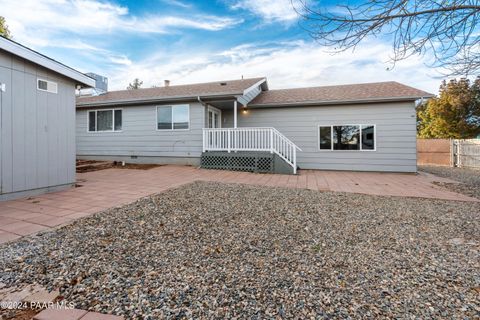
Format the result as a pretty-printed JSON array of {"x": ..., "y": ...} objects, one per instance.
[
  {"x": 164, "y": 24},
  {"x": 177, "y": 3},
  {"x": 35, "y": 21},
  {"x": 62, "y": 23},
  {"x": 291, "y": 64},
  {"x": 268, "y": 10}
]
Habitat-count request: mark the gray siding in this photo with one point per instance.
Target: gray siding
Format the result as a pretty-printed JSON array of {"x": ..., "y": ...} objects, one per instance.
[
  {"x": 140, "y": 137},
  {"x": 37, "y": 142},
  {"x": 395, "y": 125},
  {"x": 250, "y": 95}
]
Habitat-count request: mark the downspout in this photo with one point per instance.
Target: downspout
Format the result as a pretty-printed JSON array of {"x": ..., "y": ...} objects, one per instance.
[{"x": 202, "y": 102}]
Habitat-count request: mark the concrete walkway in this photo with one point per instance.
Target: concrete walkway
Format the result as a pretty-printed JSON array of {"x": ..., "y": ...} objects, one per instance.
[{"x": 103, "y": 189}]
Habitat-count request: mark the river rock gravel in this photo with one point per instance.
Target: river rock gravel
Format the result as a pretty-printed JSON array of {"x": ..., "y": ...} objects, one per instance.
[
  {"x": 212, "y": 250},
  {"x": 469, "y": 179}
]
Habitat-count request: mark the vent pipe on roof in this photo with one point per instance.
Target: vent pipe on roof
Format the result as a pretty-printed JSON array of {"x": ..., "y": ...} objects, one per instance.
[{"x": 167, "y": 83}]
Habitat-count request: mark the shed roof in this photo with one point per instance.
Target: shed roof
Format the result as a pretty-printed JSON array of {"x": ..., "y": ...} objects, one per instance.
[
  {"x": 350, "y": 93},
  {"x": 26, "y": 53},
  {"x": 207, "y": 89}
]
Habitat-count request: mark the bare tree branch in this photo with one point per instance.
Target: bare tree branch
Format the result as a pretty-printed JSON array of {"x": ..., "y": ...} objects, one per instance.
[{"x": 449, "y": 30}]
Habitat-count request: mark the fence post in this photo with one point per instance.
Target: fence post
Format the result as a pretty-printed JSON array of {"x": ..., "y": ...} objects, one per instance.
[
  {"x": 204, "y": 140},
  {"x": 452, "y": 153},
  {"x": 459, "y": 153}
]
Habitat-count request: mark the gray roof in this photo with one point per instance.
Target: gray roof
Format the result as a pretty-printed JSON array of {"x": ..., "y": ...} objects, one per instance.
[
  {"x": 340, "y": 94},
  {"x": 173, "y": 92},
  {"x": 44, "y": 61}
]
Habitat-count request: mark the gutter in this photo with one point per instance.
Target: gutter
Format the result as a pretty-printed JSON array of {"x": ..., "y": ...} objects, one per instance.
[
  {"x": 148, "y": 100},
  {"x": 336, "y": 102}
]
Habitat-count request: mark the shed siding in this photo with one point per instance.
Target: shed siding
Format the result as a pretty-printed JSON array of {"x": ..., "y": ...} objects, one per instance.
[
  {"x": 140, "y": 137},
  {"x": 395, "y": 126},
  {"x": 37, "y": 137}
]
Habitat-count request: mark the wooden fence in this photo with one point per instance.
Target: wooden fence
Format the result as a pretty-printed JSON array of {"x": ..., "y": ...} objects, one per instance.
[
  {"x": 466, "y": 153},
  {"x": 447, "y": 152},
  {"x": 435, "y": 152}
]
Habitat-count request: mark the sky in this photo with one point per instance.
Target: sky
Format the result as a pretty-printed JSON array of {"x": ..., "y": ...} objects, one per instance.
[{"x": 188, "y": 41}]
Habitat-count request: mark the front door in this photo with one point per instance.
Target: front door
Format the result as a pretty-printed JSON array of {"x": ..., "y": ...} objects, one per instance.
[{"x": 214, "y": 117}]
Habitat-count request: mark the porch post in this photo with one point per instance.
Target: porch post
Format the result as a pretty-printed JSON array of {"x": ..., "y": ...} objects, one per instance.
[{"x": 235, "y": 114}]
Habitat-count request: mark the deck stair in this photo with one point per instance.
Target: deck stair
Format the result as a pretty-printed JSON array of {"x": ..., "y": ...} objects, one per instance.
[{"x": 249, "y": 149}]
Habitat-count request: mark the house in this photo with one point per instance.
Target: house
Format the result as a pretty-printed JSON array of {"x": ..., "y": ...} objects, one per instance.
[
  {"x": 37, "y": 122},
  {"x": 242, "y": 125}
]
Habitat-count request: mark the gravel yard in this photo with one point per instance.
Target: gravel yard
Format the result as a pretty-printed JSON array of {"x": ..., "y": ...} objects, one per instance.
[
  {"x": 210, "y": 250},
  {"x": 469, "y": 179}
]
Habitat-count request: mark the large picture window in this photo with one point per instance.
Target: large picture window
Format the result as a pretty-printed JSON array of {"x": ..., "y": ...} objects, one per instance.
[
  {"x": 173, "y": 117},
  {"x": 105, "y": 120},
  {"x": 347, "y": 137}
]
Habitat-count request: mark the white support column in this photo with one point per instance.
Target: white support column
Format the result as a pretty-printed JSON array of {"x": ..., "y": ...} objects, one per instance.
[{"x": 235, "y": 114}]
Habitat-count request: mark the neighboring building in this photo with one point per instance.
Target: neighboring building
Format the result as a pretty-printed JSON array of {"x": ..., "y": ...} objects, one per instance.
[
  {"x": 37, "y": 117},
  {"x": 242, "y": 125}
]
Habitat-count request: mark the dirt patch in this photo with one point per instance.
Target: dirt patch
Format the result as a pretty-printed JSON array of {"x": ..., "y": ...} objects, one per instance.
[
  {"x": 469, "y": 179},
  {"x": 93, "y": 165},
  {"x": 136, "y": 166}
]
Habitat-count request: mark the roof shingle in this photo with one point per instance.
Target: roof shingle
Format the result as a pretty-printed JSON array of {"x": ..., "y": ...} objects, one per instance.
[
  {"x": 228, "y": 87},
  {"x": 338, "y": 94}
]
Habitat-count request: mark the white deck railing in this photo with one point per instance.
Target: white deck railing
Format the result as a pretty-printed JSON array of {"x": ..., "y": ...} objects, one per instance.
[{"x": 251, "y": 139}]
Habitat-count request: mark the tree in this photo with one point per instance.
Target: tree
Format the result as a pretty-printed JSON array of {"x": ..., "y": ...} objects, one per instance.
[
  {"x": 136, "y": 84},
  {"x": 4, "y": 31},
  {"x": 447, "y": 29},
  {"x": 454, "y": 114}
]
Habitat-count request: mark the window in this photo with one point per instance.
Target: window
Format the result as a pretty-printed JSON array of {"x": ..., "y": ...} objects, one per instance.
[
  {"x": 347, "y": 137},
  {"x": 368, "y": 137},
  {"x": 173, "y": 117},
  {"x": 325, "y": 138},
  {"x": 42, "y": 85},
  {"x": 105, "y": 120},
  {"x": 48, "y": 86},
  {"x": 118, "y": 120}
]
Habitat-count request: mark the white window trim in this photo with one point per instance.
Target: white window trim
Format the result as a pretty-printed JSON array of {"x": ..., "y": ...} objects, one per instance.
[
  {"x": 172, "y": 129},
  {"x": 47, "y": 81},
  {"x": 113, "y": 121},
  {"x": 331, "y": 137}
]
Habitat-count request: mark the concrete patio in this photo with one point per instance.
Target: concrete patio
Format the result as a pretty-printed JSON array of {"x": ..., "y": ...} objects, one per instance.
[{"x": 108, "y": 188}]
